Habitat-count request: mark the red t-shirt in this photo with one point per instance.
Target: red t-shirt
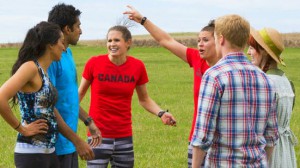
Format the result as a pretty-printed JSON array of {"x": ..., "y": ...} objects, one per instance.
[
  {"x": 200, "y": 66},
  {"x": 112, "y": 88}
]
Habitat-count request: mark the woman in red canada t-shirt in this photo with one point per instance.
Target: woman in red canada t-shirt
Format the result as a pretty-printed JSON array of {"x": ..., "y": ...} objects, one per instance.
[
  {"x": 113, "y": 77},
  {"x": 199, "y": 59}
]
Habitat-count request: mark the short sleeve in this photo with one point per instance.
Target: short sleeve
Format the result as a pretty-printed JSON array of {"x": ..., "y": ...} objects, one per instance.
[
  {"x": 54, "y": 71},
  {"x": 88, "y": 69},
  {"x": 143, "y": 75}
]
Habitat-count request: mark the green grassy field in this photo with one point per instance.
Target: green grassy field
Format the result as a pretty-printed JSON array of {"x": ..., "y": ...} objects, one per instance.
[{"x": 171, "y": 82}]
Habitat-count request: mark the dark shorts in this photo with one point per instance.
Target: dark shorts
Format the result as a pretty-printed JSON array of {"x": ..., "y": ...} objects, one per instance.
[
  {"x": 36, "y": 160},
  {"x": 68, "y": 160},
  {"x": 118, "y": 152}
]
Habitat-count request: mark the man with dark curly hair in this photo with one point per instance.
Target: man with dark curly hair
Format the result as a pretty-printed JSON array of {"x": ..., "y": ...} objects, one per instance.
[{"x": 63, "y": 75}]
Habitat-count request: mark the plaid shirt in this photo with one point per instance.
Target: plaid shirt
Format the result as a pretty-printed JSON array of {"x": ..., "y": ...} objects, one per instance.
[{"x": 236, "y": 114}]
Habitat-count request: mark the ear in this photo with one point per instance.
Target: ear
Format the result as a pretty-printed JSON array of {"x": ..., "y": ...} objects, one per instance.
[
  {"x": 129, "y": 42},
  {"x": 49, "y": 47},
  {"x": 66, "y": 29},
  {"x": 221, "y": 40}
]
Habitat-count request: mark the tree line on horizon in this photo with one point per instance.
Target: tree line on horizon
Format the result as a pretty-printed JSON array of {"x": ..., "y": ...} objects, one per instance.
[{"x": 291, "y": 40}]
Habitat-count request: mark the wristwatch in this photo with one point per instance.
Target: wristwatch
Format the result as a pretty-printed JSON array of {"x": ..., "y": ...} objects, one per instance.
[
  {"x": 161, "y": 113},
  {"x": 88, "y": 121},
  {"x": 143, "y": 20}
]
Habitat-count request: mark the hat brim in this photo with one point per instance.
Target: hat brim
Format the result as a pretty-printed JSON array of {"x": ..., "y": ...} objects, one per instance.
[{"x": 255, "y": 34}]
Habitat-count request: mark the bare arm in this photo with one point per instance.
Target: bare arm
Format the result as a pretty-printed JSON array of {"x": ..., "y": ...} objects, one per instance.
[
  {"x": 84, "y": 86},
  {"x": 19, "y": 80},
  {"x": 151, "y": 106},
  {"x": 94, "y": 130},
  {"x": 163, "y": 38},
  {"x": 198, "y": 157},
  {"x": 83, "y": 149}
]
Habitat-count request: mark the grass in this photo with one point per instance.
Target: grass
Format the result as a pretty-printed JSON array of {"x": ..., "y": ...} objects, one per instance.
[{"x": 171, "y": 83}]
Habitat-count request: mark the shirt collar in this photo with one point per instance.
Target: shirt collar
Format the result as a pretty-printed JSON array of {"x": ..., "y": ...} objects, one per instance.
[
  {"x": 235, "y": 56},
  {"x": 275, "y": 71}
]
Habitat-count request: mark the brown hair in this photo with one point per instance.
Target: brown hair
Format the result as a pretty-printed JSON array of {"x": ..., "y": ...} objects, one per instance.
[
  {"x": 253, "y": 43},
  {"x": 210, "y": 27},
  {"x": 266, "y": 58}
]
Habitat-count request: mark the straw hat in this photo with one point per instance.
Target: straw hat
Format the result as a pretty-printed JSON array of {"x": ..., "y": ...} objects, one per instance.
[{"x": 270, "y": 40}]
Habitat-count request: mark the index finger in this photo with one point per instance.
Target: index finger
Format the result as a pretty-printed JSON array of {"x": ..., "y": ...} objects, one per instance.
[
  {"x": 40, "y": 121},
  {"x": 173, "y": 122},
  {"x": 129, "y": 11},
  {"x": 130, "y": 7},
  {"x": 91, "y": 155},
  {"x": 95, "y": 142}
]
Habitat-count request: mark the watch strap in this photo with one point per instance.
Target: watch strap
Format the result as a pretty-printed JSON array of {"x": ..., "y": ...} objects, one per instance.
[
  {"x": 88, "y": 121},
  {"x": 161, "y": 113}
]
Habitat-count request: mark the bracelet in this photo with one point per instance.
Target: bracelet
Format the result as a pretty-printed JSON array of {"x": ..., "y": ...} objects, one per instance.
[
  {"x": 88, "y": 121},
  {"x": 18, "y": 126},
  {"x": 143, "y": 20},
  {"x": 161, "y": 113}
]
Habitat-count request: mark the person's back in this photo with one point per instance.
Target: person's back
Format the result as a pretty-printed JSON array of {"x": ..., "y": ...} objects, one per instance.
[
  {"x": 265, "y": 48},
  {"x": 245, "y": 95},
  {"x": 236, "y": 123},
  {"x": 284, "y": 152}
]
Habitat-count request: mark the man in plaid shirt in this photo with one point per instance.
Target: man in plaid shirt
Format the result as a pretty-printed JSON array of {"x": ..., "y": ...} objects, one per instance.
[{"x": 236, "y": 124}]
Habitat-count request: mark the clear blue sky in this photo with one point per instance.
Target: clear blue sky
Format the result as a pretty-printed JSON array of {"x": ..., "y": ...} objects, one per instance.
[{"x": 17, "y": 16}]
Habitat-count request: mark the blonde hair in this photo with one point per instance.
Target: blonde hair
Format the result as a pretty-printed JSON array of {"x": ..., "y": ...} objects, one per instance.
[{"x": 234, "y": 29}]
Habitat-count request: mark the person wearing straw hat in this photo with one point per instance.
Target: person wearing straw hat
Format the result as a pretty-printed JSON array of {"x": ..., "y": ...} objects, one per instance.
[{"x": 265, "y": 48}]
